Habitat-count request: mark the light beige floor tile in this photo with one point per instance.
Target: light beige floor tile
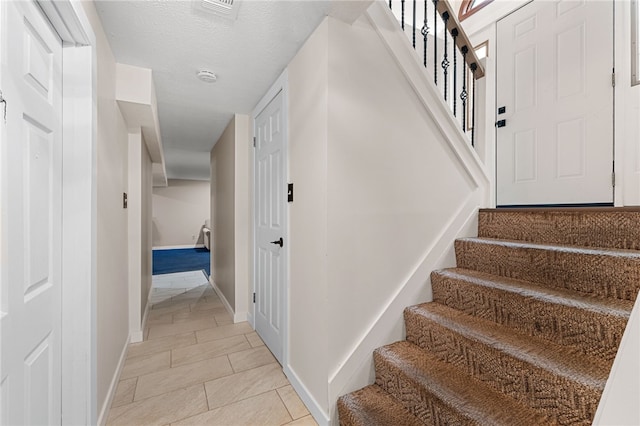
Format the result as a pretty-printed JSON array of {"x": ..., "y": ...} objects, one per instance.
[
  {"x": 162, "y": 409},
  {"x": 167, "y": 291},
  {"x": 166, "y": 318},
  {"x": 189, "y": 296},
  {"x": 204, "y": 305},
  {"x": 251, "y": 358},
  {"x": 170, "y": 306},
  {"x": 213, "y": 296},
  {"x": 206, "y": 350},
  {"x": 219, "y": 311},
  {"x": 175, "y": 378},
  {"x": 161, "y": 344},
  {"x": 163, "y": 330},
  {"x": 145, "y": 364},
  {"x": 305, "y": 421},
  {"x": 124, "y": 392},
  {"x": 159, "y": 298},
  {"x": 292, "y": 401},
  {"x": 243, "y": 385},
  {"x": 264, "y": 410},
  {"x": 223, "y": 319},
  {"x": 158, "y": 314},
  {"x": 190, "y": 316},
  {"x": 254, "y": 340},
  {"x": 223, "y": 331},
  {"x": 180, "y": 307}
]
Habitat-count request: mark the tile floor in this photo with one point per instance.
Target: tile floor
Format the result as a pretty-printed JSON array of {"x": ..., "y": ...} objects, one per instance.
[{"x": 195, "y": 367}]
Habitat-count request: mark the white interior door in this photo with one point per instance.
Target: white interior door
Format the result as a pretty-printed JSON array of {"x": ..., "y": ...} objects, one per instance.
[
  {"x": 554, "y": 68},
  {"x": 31, "y": 148},
  {"x": 270, "y": 219}
]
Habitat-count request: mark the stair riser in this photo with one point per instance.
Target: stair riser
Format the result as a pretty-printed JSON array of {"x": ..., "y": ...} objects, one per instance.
[
  {"x": 597, "y": 274},
  {"x": 530, "y": 384},
  {"x": 373, "y": 406},
  {"x": 613, "y": 229},
  {"x": 417, "y": 399},
  {"x": 596, "y": 334},
  {"x": 347, "y": 418}
]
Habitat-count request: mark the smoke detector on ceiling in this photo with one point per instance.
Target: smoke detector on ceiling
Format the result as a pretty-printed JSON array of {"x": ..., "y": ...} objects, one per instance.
[
  {"x": 207, "y": 76},
  {"x": 225, "y": 8}
]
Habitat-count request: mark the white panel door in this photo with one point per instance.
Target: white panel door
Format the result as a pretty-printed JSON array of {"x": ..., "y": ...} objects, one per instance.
[
  {"x": 31, "y": 148},
  {"x": 270, "y": 254},
  {"x": 554, "y": 66}
]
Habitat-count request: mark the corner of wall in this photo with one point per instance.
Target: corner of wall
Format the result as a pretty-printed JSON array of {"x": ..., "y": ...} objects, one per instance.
[{"x": 111, "y": 392}]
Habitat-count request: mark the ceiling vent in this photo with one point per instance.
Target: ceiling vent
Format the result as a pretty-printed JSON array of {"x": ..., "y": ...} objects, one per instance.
[{"x": 225, "y": 8}]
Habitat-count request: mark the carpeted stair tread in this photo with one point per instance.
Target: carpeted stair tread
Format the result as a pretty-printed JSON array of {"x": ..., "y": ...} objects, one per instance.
[
  {"x": 594, "y": 227},
  {"x": 559, "y": 360},
  {"x": 558, "y": 380},
  {"x": 372, "y": 406},
  {"x": 441, "y": 394},
  {"x": 593, "y": 325},
  {"x": 611, "y": 273}
]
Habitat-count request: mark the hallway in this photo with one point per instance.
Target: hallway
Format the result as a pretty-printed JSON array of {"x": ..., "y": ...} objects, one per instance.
[{"x": 196, "y": 367}]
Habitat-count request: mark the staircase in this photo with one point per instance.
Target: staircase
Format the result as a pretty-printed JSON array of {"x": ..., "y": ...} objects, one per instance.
[{"x": 522, "y": 332}]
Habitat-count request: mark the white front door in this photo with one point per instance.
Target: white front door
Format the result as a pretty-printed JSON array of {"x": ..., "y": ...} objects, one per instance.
[
  {"x": 554, "y": 68},
  {"x": 270, "y": 220},
  {"x": 30, "y": 232}
]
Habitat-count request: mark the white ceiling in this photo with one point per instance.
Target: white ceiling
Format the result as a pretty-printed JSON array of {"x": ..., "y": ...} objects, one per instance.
[{"x": 176, "y": 38}]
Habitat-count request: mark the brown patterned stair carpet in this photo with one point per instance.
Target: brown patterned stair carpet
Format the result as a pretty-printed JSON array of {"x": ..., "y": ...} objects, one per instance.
[
  {"x": 590, "y": 324},
  {"x": 589, "y": 227},
  {"x": 523, "y": 331}
]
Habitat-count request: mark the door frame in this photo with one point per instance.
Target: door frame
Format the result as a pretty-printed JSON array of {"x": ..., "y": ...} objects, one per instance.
[
  {"x": 79, "y": 210},
  {"x": 280, "y": 85},
  {"x": 616, "y": 190}
]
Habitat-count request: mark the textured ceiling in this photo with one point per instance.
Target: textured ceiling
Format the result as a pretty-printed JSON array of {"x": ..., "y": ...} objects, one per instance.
[{"x": 176, "y": 38}]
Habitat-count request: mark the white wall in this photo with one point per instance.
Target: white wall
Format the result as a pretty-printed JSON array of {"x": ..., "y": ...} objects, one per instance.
[
  {"x": 179, "y": 212},
  {"x": 139, "y": 230},
  {"x": 112, "y": 331},
  {"x": 619, "y": 403},
  {"x": 223, "y": 213},
  {"x": 147, "y": 229},
  {"x": 243, "y": 219},
  {"x": 385, "y": 181},
  {"x": 230, "y": 165},
  {"x": 308, "y": 134}
]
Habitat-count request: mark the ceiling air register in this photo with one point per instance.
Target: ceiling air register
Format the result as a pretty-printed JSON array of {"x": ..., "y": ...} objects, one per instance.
[{"x": 225, "y": 8}]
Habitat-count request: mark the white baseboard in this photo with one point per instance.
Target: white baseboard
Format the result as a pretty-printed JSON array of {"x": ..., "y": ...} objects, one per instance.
[
  {"x": 224, "y": 300},
  {"x": 312, "y": 405},
  {"x": 250, "y": 320},
  {"x": 146, "y": 308},
  {"x": 104, "y": 412},
  {"x": 138, "y": 335},
  {"x": 186, "y": 246},
  {"x": 237, "y": 316},
  {"x": 240, "y": 317}
]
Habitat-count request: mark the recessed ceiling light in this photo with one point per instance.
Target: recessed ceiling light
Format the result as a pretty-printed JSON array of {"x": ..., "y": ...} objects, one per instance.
[{"x": 207, "y": 76}]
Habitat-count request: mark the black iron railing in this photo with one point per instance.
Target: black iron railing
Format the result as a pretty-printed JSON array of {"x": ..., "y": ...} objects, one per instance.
[{"x": 444, "y": 39}]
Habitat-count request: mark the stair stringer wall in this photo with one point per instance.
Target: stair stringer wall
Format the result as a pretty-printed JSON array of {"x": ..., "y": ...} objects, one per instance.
[
  {"x": 403, "y": 183},
  {"x": 619, "y": 401}
]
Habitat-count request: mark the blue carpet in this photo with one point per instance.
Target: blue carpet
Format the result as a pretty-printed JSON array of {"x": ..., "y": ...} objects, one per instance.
[{"x": 181, "y": 260}]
